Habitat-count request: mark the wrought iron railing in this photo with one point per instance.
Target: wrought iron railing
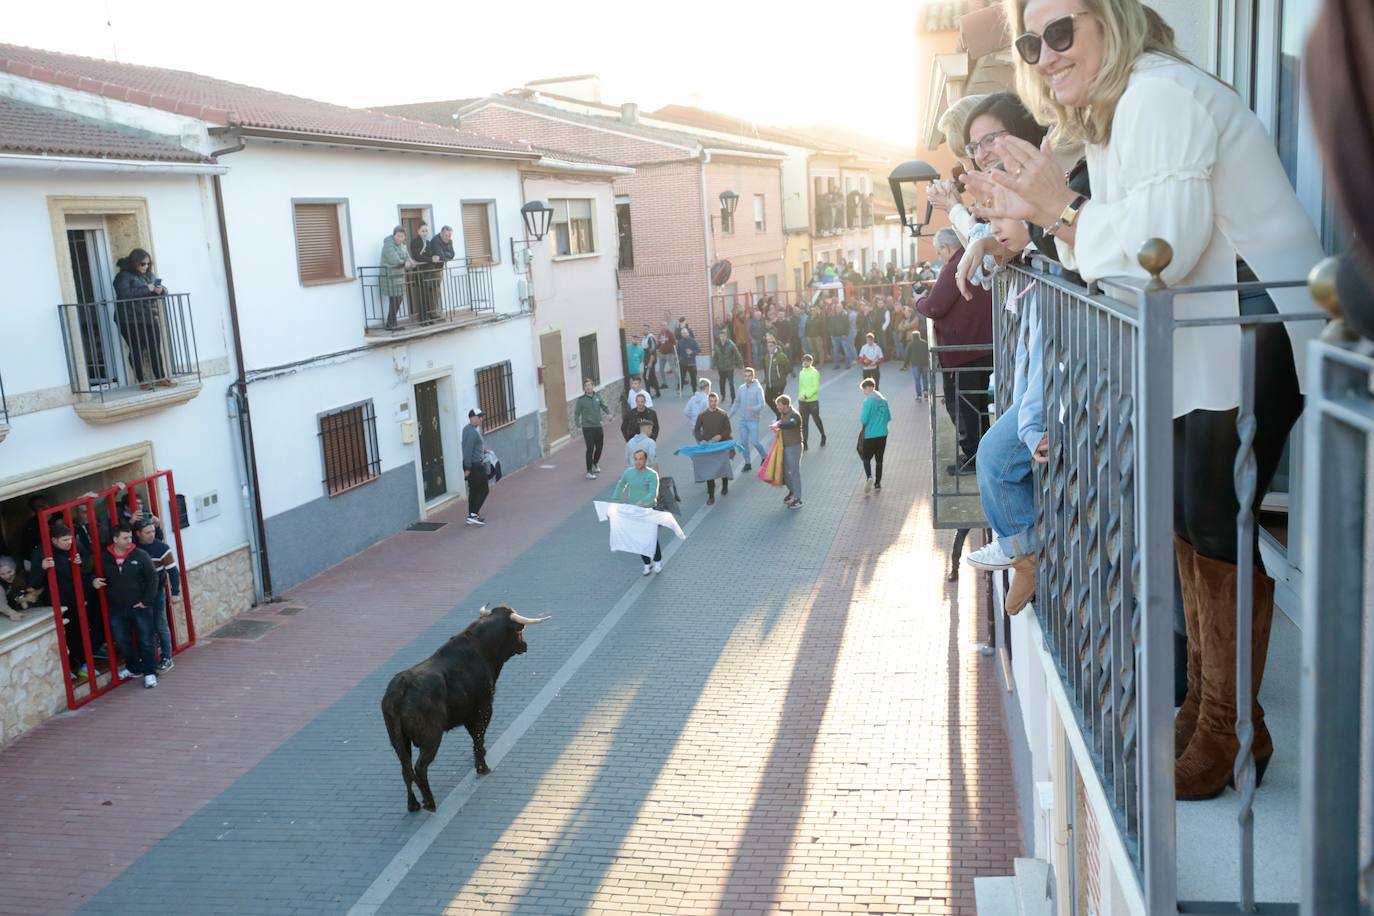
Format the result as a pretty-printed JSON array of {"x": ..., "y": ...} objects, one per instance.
[
  {"x": 1105, "y": 594},
  {"x": 397, "y": 300},
  {"x": 115, "y": 347},
  {"x": 1337, "y": 735}
]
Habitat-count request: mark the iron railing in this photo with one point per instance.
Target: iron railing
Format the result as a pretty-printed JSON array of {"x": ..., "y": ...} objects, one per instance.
[
  {"x": 397, "y": 300},
  {"x": 4, "y": 405},
  {"x": 119, "y": 346},
  {"x": 1337, "y": 711},
  {"x": 1105, "y": 593}
]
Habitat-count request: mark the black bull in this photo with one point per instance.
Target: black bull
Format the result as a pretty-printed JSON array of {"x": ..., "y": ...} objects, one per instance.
[{"x": 454, "y": 686}]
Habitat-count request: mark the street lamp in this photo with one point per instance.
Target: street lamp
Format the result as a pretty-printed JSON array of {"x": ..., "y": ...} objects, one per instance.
[
  {"x": 729, "y": 200},
  {"x": 913, "y": 172},
  {"x": 538, "y": 216}
]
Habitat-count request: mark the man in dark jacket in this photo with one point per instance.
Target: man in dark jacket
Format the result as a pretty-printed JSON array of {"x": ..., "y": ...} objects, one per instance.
[
  {"x": 967, "y": 323},
  {"x": 629, "y": 424},
  {"x": 428, "y": 274},
  {"x": 775, "y": 373},
  {"x": 65, "y": 567},
  {"x": 713, "y": 425},
  {"x": 130, "y": 586}
]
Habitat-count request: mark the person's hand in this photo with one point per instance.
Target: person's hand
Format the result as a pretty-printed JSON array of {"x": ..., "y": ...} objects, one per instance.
[
  {"x": 715, "y": 438},
  {"x": 467, "y": 472},
  {"x": 1034, "y": 176},
  {"x": 969, "y": 264},
  {"x": 1041, "y": 455},
  {"x": 435, "y": 258},
  {"x": 98, "y": 582},
  {"x": 49, "y": 563},
  {"x": 942, "y": 195},
  {"x": 140, "y": 604}
]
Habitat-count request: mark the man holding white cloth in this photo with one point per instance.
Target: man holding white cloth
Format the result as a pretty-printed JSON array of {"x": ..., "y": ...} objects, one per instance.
[{"x": 634, "y": 520}]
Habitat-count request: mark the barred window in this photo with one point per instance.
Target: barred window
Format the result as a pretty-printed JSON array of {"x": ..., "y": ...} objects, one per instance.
[
  {"x": 591, "y": 360},
  {"x": 348, "y": 442},
  {"x": 496, "y": 395}
]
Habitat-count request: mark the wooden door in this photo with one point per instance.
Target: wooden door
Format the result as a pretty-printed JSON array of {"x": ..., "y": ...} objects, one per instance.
[
  {"x": 431, "y": 439},
  {"x": 555, "y": 389}
]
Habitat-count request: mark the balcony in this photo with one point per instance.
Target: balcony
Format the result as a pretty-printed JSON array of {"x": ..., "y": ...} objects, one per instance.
[
  {"x": 128, "y": 357},
  {"x": 411, "y": 303},
  {"x": 1103, "y": 616}
]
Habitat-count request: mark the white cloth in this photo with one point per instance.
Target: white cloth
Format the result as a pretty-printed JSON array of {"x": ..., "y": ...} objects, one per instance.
[
  {"x": 962, "y": 222},
  {"x": 1187, "y": 162},
  {"x": 634, "y": 529}
]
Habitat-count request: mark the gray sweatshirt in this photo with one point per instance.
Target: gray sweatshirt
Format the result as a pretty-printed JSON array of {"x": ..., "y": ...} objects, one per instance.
[
  {"x": 748, "y": 401},
  {"x": 473, "y": 446}
]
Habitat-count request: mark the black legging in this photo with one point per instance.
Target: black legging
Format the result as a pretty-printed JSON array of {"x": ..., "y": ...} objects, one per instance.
[
  {"x": 874, "y": 448},
  {"x": 810, "y": 410},
  {"x": 658, "y": 553},
  {"x": 686, "y": 377},
  {"x": 1205, "y": 443},
  {"x": 595, "y": 438},
  {"x": 727, "y": 380}
]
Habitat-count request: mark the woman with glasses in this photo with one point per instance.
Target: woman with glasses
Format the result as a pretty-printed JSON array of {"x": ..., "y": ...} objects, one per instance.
[
  {"x": 138, "y": 291},
  {"x": 1173, "y": 153}
]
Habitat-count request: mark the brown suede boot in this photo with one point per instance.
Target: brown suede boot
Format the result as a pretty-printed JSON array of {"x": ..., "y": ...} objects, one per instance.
[
  {"x": 1206, "y": 767},
  {"x": 1022, "y": 588},
  {"x": 1186, "y": 719}
]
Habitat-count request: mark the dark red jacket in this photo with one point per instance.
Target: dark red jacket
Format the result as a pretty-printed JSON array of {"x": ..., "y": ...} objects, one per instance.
[{"x": 958, "y": 321}]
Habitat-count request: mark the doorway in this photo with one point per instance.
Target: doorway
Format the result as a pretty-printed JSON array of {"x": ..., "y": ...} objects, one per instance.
[
  {"x": 102, "y": 353},
  {"x": 431, "y": 439},
  {"x": 555, "y": 388}
]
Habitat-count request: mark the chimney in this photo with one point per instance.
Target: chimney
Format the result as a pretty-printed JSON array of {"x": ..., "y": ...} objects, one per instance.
[{"x": 629, "y": 113}]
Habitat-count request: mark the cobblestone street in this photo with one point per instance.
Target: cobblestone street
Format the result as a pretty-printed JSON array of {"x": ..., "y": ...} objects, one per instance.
[{"x": 792, "y": 717}]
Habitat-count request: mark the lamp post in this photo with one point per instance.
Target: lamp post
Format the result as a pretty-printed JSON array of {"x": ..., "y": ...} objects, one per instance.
[
  {"x": 914, "y": 172},
  {"x": 537, "y": 217},
  {"x": 729, "y": 200}
]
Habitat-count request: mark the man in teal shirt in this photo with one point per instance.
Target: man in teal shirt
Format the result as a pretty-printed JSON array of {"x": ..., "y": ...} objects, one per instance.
[
  {"x": 874, "y": 417},
  {"x": 809, "y": 399}
]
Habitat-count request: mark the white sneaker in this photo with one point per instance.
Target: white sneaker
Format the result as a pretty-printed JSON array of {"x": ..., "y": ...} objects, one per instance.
[
  {"x": 868, "y": 484},
  {"x": 596, "y": 469},
  {"x": 648, "y": 568},
  {"x": 990, "y": 557},
  {"x": 150, "y": 680},
  {"x": 658, "y": 566},
  {"x": 591, "y": 475},
  {"x": 124, "y": 673},
  {"x": 474, "y": 520}
]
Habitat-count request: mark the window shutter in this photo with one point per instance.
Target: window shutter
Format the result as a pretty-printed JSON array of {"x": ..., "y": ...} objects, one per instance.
[
  {"x": 319, "y": 250},
  {"x": 476, "y": 233}
]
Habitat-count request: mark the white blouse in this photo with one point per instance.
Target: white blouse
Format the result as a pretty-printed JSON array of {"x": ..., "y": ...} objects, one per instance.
[{"x": 1187, "y": 162}]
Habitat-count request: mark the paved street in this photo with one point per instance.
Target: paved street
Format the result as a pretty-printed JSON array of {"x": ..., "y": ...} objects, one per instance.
[{"x": 791, "y": 717}]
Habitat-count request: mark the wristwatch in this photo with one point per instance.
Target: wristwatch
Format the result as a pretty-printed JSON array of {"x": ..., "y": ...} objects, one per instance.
[{"x": 1068, "y": 216}]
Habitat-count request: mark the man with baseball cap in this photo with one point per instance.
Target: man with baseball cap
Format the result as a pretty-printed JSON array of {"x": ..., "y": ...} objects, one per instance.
[{"x": 473, "y": 468}]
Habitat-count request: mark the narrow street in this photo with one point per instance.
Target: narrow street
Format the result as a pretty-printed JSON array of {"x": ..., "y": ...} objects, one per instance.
[{"x": 792, "y": 717}]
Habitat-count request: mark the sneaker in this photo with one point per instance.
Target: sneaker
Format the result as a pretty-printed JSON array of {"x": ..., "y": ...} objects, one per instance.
[
  {"x": 962, "y": 469},
  {"x": 591, "y": 476},
  {"x": 474, "y": 520},
  {"x": 710, "y": 500},
  {"x": 648, "y": 568},
  {"x": 989, "y": 557},
  {"x": 658, "y": 566},
  {"x": 124, "y": 674},
  {"x": 868, "y": 484},
  {"x": 725, "y": 488},
  {"x": 167, "y": 665},
  {"x": 150, "y": 680},
  {"x": 596, "y": 469},
  {"x": 877, "y": 486},
  {"x": 795, "y": 504},
  {"x": 747, "y": 466},
  {"x": 822, "y": 440}
]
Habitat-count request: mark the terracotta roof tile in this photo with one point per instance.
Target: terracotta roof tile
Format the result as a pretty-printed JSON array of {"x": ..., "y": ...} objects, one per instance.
[
  {"x": 221, "y": 102},
  {"x": 26, "y": 128}
]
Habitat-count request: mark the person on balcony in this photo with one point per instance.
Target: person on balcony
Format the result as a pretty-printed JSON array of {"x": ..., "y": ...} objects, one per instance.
[
  {"x": 139, "y": 291},
  {"x": 1107, "y": 73},
  {"x": 396, "y": 262},
  {"x": 961, "y": 322},
  {"x": 428, "y": 275}
]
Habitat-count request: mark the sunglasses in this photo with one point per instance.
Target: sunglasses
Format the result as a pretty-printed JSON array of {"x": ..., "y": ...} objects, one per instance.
[{"x": 1058, "y": 35}]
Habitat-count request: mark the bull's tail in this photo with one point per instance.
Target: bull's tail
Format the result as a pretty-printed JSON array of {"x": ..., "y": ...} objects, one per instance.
[{"x": 393, "y": 704}]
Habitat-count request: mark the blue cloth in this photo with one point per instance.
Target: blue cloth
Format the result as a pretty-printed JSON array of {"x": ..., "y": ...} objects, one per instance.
[
  {"x": 1006, "y": 486},
  {"x": 706, "y": 448}
]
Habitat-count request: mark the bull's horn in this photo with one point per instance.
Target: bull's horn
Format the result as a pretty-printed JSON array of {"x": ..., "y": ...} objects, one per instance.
[
  {"x": 484, "y": 611},
  {"x": 528, "y": 620}
]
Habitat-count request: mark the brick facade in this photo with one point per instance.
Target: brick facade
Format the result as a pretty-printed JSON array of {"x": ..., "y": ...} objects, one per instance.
[{"x": 753, "y": 255}]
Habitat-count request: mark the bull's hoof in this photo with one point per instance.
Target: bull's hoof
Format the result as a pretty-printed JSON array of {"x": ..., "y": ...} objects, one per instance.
[
  {"x": 430, "y": 806},
  {"x": 412, "y": 805},
  {"x": 483, "y": 769}
]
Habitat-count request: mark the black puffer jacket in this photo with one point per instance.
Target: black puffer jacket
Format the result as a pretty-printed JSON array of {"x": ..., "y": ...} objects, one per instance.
[{"x": 129, "y": 583}]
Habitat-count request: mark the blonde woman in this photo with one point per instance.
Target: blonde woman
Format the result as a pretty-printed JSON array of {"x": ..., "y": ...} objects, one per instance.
[{"x": 1175, "y": 154}]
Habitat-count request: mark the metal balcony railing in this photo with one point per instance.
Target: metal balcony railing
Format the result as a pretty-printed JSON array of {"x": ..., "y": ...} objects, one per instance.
[
  {"x": 1105, "y": 593},
  {"x": 397, "y": 300},
  {"x": 4, "y": 406},
  {"x": 115, "y": 347}
]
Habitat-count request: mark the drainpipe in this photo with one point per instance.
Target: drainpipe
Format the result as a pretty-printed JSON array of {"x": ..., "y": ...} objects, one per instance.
[
  {"x": 239, "y": 408},
  {"x": 706, "y": 231}
]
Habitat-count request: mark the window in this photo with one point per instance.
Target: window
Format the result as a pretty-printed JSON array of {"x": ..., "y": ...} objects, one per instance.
[
  {"x": 477, "y": 233},
  {"x": 797, "y": 278},
  {"x": 496, "y": 396},
  {"x": 622, "y": 227},
  {"x": 319, "y": 244},
  {"x": 727, "y": 221},
  {"x": 348, "y": 442},
  {"x": 572, "y": 226},
  {"x": 591, "y": 363},
  {"x": 758, "y": 213},
  {"x": 772, "y": 283},
  {"x": 758, "y": 285}
]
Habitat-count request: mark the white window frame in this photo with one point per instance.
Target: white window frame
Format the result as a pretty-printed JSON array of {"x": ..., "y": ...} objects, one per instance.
[
  {"x": 553, "y": 235},
  {"x": 760, "y": 214}
]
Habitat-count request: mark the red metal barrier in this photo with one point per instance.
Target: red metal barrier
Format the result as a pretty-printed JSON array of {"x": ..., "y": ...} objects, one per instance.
[{"x": 155, "y": 491}]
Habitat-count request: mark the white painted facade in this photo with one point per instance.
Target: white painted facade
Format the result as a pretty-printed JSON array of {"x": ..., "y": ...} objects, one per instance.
[{"x": 191, "y": 439}]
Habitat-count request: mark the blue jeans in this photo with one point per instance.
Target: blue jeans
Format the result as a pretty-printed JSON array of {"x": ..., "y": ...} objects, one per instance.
[
  {"x": 919, "y": 375},
  {"x": 164, "y": 629},
  {"x": 127, "y": 622},
  {"x": 842, "y": 346},
  {"x": 1006, "y": 486},
  {"x": 791, "y": 468},
  {"x": 749, "y": 435}
]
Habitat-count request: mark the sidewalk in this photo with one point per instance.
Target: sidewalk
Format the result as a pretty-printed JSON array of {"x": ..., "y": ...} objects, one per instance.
[{"x": 781, "y": 719}]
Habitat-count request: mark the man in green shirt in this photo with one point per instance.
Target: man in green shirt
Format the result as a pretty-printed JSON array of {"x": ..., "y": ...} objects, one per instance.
[
  {"x": 588, "y": 413},
  {"x": 809, "y": 399}
]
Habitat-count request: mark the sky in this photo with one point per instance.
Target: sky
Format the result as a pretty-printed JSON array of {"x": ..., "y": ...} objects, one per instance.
[{"x": 799, "y": 63}]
